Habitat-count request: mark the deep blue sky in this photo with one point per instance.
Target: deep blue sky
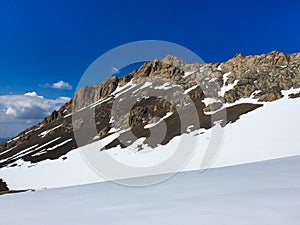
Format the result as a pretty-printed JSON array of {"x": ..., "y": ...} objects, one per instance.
[{"x": 48, "y": 41}]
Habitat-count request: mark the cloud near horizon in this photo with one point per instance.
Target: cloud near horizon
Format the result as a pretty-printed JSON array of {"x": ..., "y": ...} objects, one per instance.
[
  {"x": 18, "y": 112},
  {"x": 59, "y": 85}
]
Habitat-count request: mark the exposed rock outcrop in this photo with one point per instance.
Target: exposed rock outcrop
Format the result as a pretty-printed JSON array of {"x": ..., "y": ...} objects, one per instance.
[{"x": 3, "y": 186}]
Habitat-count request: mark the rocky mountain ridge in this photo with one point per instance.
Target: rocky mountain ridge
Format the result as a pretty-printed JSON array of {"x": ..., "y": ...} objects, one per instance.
[{"x": 213, "y": 88}]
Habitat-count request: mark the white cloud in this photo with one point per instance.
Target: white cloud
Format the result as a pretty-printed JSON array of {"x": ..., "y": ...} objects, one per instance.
[
  {"x": 18, "y": 112},
  {"x": 59, "y": 85},
  {"x": 11, "y": 111},
  {"x": 30, "y": 105},
  {"x": 33, "y": 94},
  {"x": 62, "y": 85},
  {"x": 63, "y": 99}
]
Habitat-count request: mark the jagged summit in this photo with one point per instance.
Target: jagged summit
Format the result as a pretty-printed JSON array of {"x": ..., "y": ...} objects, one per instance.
[
  {"x": 173, "y": 60},
  {"x": 238, "y": 55}
]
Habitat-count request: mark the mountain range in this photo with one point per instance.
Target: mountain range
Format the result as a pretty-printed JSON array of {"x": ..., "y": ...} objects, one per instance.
[{"x": 253, "y": 99}]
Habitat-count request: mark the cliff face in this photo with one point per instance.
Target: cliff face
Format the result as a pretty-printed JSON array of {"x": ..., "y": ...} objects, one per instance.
[
  {"x": 212, "y": 88},
  {"x": 90, "y": 94}
]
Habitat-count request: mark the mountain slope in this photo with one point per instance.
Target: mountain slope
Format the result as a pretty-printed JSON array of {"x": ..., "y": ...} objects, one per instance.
[{"x": 246, "y": 96}]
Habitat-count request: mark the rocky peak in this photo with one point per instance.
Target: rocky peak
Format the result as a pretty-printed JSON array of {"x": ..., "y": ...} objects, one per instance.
[
  {"x": 173, "y": 60},
  {"x": 274, "y": 58},
  {"x": 260, "y": 77},
  {"x": 238, "y": 56},
  {"x": 158, "y": 68}
]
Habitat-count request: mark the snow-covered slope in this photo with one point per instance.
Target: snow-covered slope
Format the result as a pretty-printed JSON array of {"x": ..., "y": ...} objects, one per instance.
[
  {"x": 165, "y": 117},
  {"x": 266, "y": 133},
  {"x": 259, "y": 193}
]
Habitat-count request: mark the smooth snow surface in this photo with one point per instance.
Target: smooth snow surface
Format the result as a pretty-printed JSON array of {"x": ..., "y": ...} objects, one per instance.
[{"x": 265, "y": 193}]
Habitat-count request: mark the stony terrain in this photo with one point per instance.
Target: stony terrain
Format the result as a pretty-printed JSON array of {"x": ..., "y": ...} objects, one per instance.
[{"x": 198, "y": 94}]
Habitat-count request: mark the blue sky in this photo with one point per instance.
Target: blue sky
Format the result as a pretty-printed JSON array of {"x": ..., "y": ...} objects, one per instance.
[{"x": 43, "y": 43}]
